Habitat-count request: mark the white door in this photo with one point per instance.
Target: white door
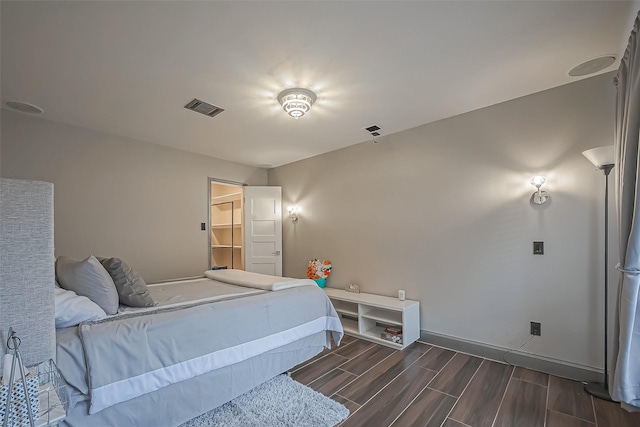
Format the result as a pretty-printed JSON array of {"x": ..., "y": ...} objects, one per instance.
[{"x": 263, "y": 230}]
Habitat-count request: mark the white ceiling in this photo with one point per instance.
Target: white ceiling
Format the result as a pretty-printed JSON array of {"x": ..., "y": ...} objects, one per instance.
[{"x": 128, "y": 68}]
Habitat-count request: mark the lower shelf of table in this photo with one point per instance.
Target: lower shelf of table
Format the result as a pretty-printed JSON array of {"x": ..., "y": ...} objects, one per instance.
[
  {"x": 374, "y": 336},
  {"x": 55, "y": 413}
]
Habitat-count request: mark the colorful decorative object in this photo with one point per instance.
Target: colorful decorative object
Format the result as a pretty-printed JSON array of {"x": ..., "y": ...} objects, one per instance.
[{"x": 319, "y": 271}]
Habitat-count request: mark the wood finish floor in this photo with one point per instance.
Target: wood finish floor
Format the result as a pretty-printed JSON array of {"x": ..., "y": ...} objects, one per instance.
[{"x": 425, "y": 385}]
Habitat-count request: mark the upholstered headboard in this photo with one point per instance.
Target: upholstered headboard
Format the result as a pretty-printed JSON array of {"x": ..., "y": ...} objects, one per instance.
[{"x": 27, "y": 272}]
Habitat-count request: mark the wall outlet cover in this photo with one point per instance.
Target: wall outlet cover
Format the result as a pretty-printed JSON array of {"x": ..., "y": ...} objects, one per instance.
[
  {"x": 538, "y": 248},
  {"x": 535, "y": 328}
]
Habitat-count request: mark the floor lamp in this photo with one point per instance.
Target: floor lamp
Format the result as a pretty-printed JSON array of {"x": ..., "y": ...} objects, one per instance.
[{"x": 603, "y": 158}]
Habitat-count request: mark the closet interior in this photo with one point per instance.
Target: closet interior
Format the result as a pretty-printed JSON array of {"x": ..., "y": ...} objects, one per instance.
[{"x": 226, "y": 226}]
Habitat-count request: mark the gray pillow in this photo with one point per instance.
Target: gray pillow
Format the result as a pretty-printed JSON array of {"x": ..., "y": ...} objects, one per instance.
[
  {"x": 131, "y": 287},
  {"x": 88, "y": 278}
]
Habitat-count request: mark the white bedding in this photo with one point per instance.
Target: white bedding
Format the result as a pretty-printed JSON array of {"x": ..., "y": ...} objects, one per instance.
[
  {"x": 186, "y": 335},
  {"x": 256, "y": 280},
  {"x": 180, "y": 292}
]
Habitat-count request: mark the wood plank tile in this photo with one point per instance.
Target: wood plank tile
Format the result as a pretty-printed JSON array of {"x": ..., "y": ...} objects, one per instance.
[
  {"x": 558, "y": 419},
  {"x": 367, "y": 360},
  {"x": 318, "y": 368},
  {"x": 320, "y": 355},
  {"x": 384, "y": 391},
  {"x": 452, "y": 423},
  {"x": 332, "y": 382},
  {"x": 390, "y": 402},
  {"x": 351, "y": 406},
  {"x": 454, "y": 377},
  {"x": 354, "y": 348},
  {"x": 610, "y": 414},
  {"x": 528, "y": 375},
  {"x": 480, "y": 402},
  {"x": 429, "y": 409},
  {"x": 346, "y": 339},
  {"x": 419, "y": 346},
  {"x": 523, "y": 405},
  {"x": 364, "y": 387},
  {"x": 569, "y": 397},
  {"x": 436, "y": 358}
]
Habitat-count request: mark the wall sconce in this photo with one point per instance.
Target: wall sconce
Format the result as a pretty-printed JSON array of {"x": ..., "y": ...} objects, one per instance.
[
  {"x": 293, "y": 213},
  {"x": 539, "y": 197}
]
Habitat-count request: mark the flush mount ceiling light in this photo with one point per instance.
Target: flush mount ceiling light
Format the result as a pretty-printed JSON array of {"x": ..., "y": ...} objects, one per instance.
[
  {"x": 23, "y": 107},
  {"x": 296, "y": 101},
  {"x": 592, "y": 66}
]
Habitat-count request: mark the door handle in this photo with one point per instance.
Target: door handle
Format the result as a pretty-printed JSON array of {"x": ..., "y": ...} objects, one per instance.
[{"x": 276, "y": 253}]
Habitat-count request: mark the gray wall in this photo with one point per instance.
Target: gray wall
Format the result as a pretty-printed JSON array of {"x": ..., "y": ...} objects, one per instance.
[
  {"x": 119, "y": 197},
  {"x": 443, "y": 212}
]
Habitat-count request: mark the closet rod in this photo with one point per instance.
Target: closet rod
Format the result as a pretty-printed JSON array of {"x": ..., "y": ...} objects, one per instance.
[{"x": 226, "y": 181}]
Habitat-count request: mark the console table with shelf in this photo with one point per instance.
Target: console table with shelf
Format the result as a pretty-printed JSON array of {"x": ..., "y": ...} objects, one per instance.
[{"x": 366, "y": 315}]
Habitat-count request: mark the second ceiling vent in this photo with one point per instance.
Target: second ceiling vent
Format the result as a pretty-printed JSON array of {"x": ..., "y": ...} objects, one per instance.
[
  {"x": 203, "y": 108},
  {"x": 373, "y": 130}
]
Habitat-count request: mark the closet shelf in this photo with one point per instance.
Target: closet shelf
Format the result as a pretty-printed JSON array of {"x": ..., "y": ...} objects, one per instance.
[
  {"x": 233, "y": 197},
  {"x": 223, "y": 226}
]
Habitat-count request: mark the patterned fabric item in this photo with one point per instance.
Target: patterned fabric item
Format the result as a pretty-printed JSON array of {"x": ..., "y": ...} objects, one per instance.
[
  {"x": 26, "y": 268},
  {"x": 19, "y": 415}
]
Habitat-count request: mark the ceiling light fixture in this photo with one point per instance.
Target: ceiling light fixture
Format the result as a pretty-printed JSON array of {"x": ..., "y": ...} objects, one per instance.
[{"x": 296, "y": 101}]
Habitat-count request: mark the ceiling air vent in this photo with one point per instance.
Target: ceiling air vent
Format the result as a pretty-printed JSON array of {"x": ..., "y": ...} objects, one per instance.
[
  {"x": 373, "y": 130},
  {"x": 203, "y": 108}
]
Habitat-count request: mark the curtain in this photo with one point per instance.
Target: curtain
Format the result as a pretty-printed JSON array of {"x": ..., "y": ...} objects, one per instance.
[{"x": 625, "y": 384}]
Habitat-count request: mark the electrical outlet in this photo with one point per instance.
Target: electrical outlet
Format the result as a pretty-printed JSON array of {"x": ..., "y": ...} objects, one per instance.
[
  {"x": 203, "y": 226},
  {"x": 535, "y": 328}
]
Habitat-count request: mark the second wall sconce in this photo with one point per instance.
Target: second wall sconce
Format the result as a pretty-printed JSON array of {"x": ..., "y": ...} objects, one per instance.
[
  {"x": 293, "y": 213},
  {"x": 539, "y": 197}
]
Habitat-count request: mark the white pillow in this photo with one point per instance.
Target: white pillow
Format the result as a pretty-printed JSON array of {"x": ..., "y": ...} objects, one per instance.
[
  {"x": 88, "y": 278},
  {"x": 72, "y": 309}
]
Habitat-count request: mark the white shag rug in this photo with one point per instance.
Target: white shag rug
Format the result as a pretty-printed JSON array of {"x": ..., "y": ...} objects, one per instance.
[{"x": 279, "y": 402}]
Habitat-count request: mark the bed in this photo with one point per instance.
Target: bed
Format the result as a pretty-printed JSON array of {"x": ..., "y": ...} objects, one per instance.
[{"x": 206, "y": 342}]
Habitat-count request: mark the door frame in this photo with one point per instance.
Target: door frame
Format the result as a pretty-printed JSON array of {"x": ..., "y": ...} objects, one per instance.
[{"x": 211, "y": 180}]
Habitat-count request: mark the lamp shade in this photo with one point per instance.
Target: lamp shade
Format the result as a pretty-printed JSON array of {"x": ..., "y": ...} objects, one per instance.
[{"x": 600, "y": 156}]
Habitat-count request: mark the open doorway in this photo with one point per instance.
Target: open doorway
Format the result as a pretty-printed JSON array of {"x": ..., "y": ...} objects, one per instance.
[{"x": 225, "y": 220}]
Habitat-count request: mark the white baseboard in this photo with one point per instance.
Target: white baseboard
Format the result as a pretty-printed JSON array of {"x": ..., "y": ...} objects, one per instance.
[{"x": 551, "y": 366}]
